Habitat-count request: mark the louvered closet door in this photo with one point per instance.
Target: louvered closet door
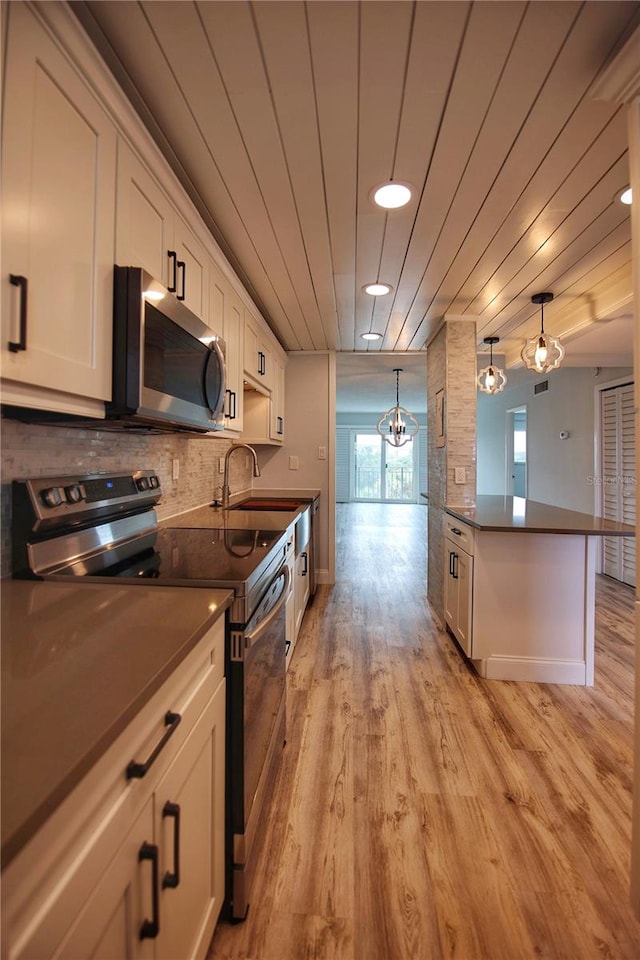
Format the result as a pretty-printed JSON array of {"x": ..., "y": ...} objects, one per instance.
[{"x": 619, "y": 479}]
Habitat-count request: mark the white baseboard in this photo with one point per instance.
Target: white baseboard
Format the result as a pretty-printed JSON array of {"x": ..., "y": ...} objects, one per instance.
[
  {"x": 533, "y": 670},
  {"x": 322, "y": 576}
]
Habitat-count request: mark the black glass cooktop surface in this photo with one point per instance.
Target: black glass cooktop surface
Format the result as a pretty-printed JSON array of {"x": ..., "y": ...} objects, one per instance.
[{"x": 186, "y": 554}]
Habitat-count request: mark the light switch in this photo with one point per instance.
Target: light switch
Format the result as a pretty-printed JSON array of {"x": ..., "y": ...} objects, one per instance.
[
  {"x": 459, "y": 475},
  {"x": 293, "y": 463},
  {"x": 322, "y": 453}
]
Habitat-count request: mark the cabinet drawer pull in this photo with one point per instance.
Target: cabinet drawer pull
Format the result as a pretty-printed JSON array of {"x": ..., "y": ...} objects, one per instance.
[
  {"x": 181, "y": 265},
  {"x": 306, "y": 564},
  {"x": 173, "y": 285},
  {"x": 21, "y": 283},
  {"x": 173, "y": 879},
  {"x": 457, "y": 532},
  {"x": 150, "y": 928},
  {"x": 139, "y": 770}
]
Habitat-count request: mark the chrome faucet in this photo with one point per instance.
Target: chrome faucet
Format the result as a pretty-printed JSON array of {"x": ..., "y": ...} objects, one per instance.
[{"x": 225, "y": 482}]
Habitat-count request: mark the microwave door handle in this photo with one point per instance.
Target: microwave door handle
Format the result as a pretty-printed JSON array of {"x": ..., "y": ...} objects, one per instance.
[{"x": 216, "y": 405}]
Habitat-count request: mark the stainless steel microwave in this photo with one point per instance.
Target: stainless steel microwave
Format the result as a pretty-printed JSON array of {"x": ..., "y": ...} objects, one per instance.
[{"x": 168, "y": 366}]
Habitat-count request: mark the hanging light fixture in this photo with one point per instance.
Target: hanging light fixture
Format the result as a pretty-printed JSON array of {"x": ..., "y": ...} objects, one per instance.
[
  {"x": 543, "y": 352},
  {"x": 491, "y": 379},
  {"x": 392, "y": 426}
]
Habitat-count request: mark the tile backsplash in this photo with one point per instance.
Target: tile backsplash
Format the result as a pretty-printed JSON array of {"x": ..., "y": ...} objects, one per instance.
[{"x": 34, "y": 450}]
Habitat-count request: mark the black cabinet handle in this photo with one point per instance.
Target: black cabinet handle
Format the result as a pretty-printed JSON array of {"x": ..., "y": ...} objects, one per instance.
[
  {"x": 455, "y": 566},
  {"x": 139, "y": 770},
  {"x": 287, "y": 647},
  {"x": 306, "y": 564},
  {"x": 280, "y": 429},
  {"x": 262, "y": 364},
  {"x": 231, "y": 407},
  {"x": 457, "y": 532},
  {"x": 173, "y": 285},
  {"x": 451, "y": 556},
  {"x": 173, "y": 879},
  {"x": 150, "y": 928},
  {"x": 21, "y": 283},
  {"x": 181, "y": 265}
]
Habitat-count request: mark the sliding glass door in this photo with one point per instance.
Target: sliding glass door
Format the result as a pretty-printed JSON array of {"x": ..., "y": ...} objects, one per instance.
[{"x": 381, "y": 471}]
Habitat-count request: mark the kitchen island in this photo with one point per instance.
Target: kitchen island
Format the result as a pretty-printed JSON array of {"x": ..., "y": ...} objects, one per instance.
[{"x": 520, "y": 587}]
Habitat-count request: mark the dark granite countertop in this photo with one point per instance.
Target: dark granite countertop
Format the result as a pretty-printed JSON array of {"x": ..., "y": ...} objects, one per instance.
[
  {"x": 79, "y": 661},
  {"x": 515, "y": 514}
]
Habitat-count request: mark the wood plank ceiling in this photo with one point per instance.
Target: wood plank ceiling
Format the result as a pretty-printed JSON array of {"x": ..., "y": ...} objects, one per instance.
[{"x": 281, "y": 116}]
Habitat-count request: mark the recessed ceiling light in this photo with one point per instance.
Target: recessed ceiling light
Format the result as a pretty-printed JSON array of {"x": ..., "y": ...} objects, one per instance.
[
  {"x": 392, "y": 195},
  {"x": 625, "y": 195},
  {"x": 371, "y": 336},
  {"x": 377, "y": 289}
]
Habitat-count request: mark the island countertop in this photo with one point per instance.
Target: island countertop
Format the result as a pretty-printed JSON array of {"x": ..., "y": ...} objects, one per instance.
[{"x": 516, "y": 515}]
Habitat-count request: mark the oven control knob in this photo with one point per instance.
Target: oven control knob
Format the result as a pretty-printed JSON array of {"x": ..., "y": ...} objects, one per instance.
[
  {"x": 53, "y": 496},
  {"x": 154, "y": 483},
  {"x": 74, "y": 493},
  {"x": 142, "y": 483}
]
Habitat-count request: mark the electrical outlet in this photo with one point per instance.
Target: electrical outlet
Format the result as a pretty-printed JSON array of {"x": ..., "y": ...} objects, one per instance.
[
  {"x": 175, "y": 469},
  {"x": 220, "y": 464},
  {"x": 459, "y": 475}
]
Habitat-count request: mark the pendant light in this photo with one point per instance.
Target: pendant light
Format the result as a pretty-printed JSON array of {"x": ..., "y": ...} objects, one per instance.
[
  {"x": 543, "y": 352},
  {"x": 491, "y": 379},
  {"x": 392, "y": 425}
]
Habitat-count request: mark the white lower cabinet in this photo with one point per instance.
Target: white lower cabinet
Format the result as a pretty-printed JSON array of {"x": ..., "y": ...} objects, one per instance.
[
  {"x": 458, "y": 583},
  {"x": 134, "y": 867}
]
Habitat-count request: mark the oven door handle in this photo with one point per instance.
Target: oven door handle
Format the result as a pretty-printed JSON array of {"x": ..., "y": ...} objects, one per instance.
[{"x": 254, "y": 636}]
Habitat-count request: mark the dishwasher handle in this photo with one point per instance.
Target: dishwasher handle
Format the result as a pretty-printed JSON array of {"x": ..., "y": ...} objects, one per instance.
[{"x": 254, "y": 635}]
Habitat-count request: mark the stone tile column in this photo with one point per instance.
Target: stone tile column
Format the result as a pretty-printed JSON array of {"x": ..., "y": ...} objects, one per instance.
[{"x": 451, "y": 405}]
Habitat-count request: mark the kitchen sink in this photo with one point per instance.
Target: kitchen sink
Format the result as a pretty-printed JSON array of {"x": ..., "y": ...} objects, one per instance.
[{"x": 255, "y": 503}]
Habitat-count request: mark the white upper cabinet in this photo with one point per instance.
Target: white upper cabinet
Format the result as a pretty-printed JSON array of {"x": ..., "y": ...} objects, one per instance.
[
  {"x": 226, "y": 318},
  {"x": 150, "y": 234},
  {"x": 258, "y": 355},
  {"x": 58, "y": 186},
  {"x": 145, "y": 219},
  {"x": 193, "y": 270}
]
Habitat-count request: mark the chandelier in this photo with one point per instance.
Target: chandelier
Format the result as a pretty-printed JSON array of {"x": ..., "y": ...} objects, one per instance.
[
  {"x": 542, "y": 352},
  {"x": 491, "y": 379},
  {"x": 392, "y": 425}
]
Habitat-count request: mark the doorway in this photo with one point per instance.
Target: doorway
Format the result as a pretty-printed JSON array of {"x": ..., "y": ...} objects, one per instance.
[
  {"x": 516, "y": 460},
  {"x": 380, "y": 471}
]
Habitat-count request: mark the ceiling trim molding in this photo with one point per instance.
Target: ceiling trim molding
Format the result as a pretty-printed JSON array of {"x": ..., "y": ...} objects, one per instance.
[{"x": 619, "y": 80}]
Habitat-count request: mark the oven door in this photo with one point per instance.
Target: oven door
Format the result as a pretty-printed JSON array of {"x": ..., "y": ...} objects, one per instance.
[{"x": 255, "y": 731}]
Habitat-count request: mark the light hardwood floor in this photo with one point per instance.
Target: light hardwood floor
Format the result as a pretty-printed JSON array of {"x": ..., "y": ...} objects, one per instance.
[{"x": 421, "y": 812}]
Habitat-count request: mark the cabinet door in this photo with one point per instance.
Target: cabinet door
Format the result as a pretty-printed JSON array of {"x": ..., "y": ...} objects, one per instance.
[
  {"x": 277, "y": 401},
  {"x": 189, "y": 827},
  {"x": 144, "y": 219},
  {"x": 226, "y": 317},
  {"x": 110, "y": 924},
  {"x": 192, "y": 272},
  {"x": 450, "y": 586},
  {"x": 301, "y": 588},
  {"x": 258, "y": 355},
  {"x": 59, "y": 163},
  {"x": 465, "y": 601}
]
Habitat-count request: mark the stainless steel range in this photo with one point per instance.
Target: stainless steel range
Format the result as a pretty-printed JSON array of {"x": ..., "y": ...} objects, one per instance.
[{"x": 102, "y": 527}]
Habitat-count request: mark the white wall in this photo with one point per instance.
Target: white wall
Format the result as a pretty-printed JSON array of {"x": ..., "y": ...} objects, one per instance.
[
  {"x": 309, "y": 424},
  {"x": 558, "y": 470}
]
